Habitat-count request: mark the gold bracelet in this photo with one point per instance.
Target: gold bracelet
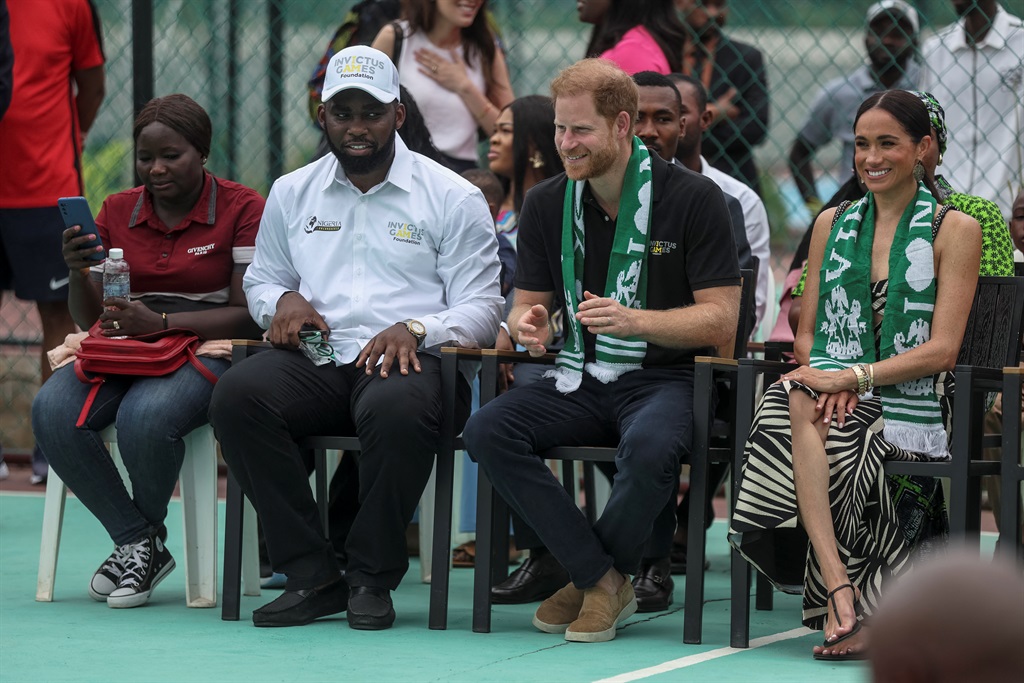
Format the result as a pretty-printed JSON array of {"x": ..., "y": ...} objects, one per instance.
[
  {"x": 862, "y": 378},
  {"x": 871, "y": 376}
]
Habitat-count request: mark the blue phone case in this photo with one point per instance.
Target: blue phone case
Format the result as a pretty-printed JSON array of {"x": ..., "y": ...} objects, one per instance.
[{"x": 75, "y": 211}]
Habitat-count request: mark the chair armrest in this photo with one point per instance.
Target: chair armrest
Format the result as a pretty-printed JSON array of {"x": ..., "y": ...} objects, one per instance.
[
  {"x": 243, "y": 348},
  {"x": 780, "y": 346},
  {"x": 982, "y": 379},
  {"x": 761, "y": 366},
  {"x": 461, "y": 353},
  {"x": 716, "y": 363},
  {"x": 503, "y": 356},
  {"x": 251, "y": 342}
]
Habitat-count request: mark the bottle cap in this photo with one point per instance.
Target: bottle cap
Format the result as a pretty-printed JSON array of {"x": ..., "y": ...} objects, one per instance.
[{"x": 115, "y": 253}]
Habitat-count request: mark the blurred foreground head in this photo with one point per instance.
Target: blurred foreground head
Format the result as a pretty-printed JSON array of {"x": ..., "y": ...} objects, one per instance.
[{"x": 958, "y": 618}]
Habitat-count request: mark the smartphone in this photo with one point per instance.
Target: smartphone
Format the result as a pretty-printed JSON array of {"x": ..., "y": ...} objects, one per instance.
[
  {"x": 75, "y": 211},
  {"x": 311, "y": 333},
  {"x": 313, "y": 344}
]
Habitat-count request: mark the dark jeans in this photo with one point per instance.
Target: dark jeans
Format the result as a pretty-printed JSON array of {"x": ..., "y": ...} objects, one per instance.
[
  {"x": 647, "y": 412},
  {"x": 264, "y": 405}
]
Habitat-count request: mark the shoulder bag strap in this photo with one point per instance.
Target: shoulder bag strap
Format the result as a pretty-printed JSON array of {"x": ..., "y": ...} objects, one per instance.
[
  {"x": 198, "y": 365},
  {"x": 96, "y": 382}
]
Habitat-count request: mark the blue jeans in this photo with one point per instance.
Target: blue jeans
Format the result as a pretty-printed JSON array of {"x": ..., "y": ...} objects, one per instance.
[{"x": 152, "y": 414}]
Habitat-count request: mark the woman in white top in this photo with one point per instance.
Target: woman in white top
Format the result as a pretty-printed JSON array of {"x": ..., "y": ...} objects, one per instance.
[{"x": 450, "y": 62}]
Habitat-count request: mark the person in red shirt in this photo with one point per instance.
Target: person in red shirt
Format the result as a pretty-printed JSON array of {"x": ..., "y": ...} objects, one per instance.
[
  {"x": 58, "y": 88},
  {"x": 189, "y": 237}
]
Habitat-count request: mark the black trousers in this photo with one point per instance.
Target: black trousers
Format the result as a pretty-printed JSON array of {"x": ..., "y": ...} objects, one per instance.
[
  {"x": 649, "y": 413},
  {"x": 264, "y": 405}
]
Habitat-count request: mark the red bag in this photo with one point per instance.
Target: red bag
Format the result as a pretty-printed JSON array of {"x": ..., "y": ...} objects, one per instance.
[{"x": 146, "y": 355}]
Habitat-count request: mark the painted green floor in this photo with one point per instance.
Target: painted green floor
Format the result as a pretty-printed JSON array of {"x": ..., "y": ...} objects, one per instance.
[{"x": 77, "y": 639}]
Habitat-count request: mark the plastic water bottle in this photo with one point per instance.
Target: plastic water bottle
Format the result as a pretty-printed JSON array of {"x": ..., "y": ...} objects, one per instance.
[{"x": 116, "y": 276}]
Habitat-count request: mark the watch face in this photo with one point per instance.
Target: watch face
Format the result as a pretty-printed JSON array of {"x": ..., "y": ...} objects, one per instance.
[{"x": 417, "y": 328}]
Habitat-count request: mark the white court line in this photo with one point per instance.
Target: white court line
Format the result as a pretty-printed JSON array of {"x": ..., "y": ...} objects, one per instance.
[{"x": 683, "y": 662}]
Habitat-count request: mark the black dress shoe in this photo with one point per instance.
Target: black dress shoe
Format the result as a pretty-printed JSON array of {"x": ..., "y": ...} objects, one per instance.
[
  {"x": 679, "y": 558},
  {"x": 538, "y": 578},
  {"x": 297, "y": 608},
  {"x": 653, "y": 586},
  {"x": 370, "y": 608}
]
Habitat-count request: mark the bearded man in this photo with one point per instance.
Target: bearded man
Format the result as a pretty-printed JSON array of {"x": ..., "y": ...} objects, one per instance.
[
  {"x": 382, "y": 256},
  {"x": 640, "y": 257}
]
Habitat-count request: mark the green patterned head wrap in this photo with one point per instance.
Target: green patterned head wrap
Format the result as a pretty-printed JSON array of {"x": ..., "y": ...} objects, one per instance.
[{"x": 936, "y": 115}]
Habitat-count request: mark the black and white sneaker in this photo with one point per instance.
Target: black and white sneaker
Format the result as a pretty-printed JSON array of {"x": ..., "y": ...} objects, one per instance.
[
  {"x": 106, "y": 578},
  {"x": 146, "y": 563}
]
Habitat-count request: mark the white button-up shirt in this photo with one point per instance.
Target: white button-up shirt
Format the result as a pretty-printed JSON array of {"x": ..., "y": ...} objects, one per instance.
[
  {"x": 982, "y": 90},
  {"x": 420, "y": 245}
]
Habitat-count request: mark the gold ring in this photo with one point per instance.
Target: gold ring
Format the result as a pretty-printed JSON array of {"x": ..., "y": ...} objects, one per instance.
[
  {"x": 433, "y": 67},
  {"x": 117, "y": 325}
]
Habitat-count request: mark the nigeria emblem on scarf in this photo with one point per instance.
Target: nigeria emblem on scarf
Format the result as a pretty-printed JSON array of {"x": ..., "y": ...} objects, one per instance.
[{"x": 843, "y": 325}]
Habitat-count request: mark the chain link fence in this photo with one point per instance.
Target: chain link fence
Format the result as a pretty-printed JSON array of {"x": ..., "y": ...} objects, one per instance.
[{"x": 247, "y": 62}]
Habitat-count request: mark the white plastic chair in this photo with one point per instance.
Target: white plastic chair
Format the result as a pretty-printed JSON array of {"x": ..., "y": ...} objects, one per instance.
[{"x": 198, "y": 486}]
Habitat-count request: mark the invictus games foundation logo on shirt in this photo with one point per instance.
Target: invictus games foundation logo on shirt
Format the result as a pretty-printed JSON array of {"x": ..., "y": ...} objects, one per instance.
[
  {"x": 316, "y": 225},
  {"x": 405, "y": 232},
  {"x": 660, "y": 247}
]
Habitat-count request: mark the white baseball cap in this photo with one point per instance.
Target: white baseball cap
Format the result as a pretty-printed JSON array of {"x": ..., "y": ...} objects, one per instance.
[
  {"x": 362, "y": 67},
  {"x": 894, "y": 7}
]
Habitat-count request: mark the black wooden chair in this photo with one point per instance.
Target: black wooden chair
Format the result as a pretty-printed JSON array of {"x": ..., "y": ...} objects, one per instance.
[
  {"x": 992, "y": 341},
  {"x": 319, "y": 445},
  {"x": 709, "y": 448},
  {"x": 1011, "y": 472},
  {"x": 492, "y": 513}
]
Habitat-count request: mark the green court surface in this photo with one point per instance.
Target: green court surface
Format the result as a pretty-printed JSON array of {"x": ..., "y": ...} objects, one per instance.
[{"x": 77, "y": 639}]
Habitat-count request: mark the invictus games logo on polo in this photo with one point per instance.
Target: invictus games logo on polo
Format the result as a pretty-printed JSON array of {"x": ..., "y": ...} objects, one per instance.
[
  {"x": 316, "y": 225},
  {"x": 359, "y": 66},
  {"x": 660, "y": 247},
  {"x": 405, "y": 232}
]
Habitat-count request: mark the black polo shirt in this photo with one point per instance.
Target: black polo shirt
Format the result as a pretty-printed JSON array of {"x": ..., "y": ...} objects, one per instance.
[{"x": 691, "y": 247}]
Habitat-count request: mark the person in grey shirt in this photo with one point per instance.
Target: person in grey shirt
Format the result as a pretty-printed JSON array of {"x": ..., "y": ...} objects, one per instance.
[{"x": 891, "y": 42}]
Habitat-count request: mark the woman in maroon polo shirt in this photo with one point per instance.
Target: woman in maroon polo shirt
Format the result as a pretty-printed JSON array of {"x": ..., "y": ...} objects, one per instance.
[{"x": 188, "y": 237}]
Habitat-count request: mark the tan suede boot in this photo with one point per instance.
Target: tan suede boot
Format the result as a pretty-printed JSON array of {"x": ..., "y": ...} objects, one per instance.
[
  {"x": 556, "y": 613},
  {"x": 601, "y": 613}
]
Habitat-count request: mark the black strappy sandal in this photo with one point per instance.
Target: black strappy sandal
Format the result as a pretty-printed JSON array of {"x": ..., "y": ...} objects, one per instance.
[{"x": 853, "y": 656}]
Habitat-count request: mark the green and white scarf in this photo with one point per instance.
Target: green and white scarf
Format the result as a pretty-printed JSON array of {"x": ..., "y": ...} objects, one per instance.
[
  {"x": 627, "y": 276},
  {"x": 913, "y": 418}
]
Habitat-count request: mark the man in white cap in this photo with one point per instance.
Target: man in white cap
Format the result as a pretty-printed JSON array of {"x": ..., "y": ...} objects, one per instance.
[
  {"x": 891, "y": 43},
  {"x": 381, "y": 256}
]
